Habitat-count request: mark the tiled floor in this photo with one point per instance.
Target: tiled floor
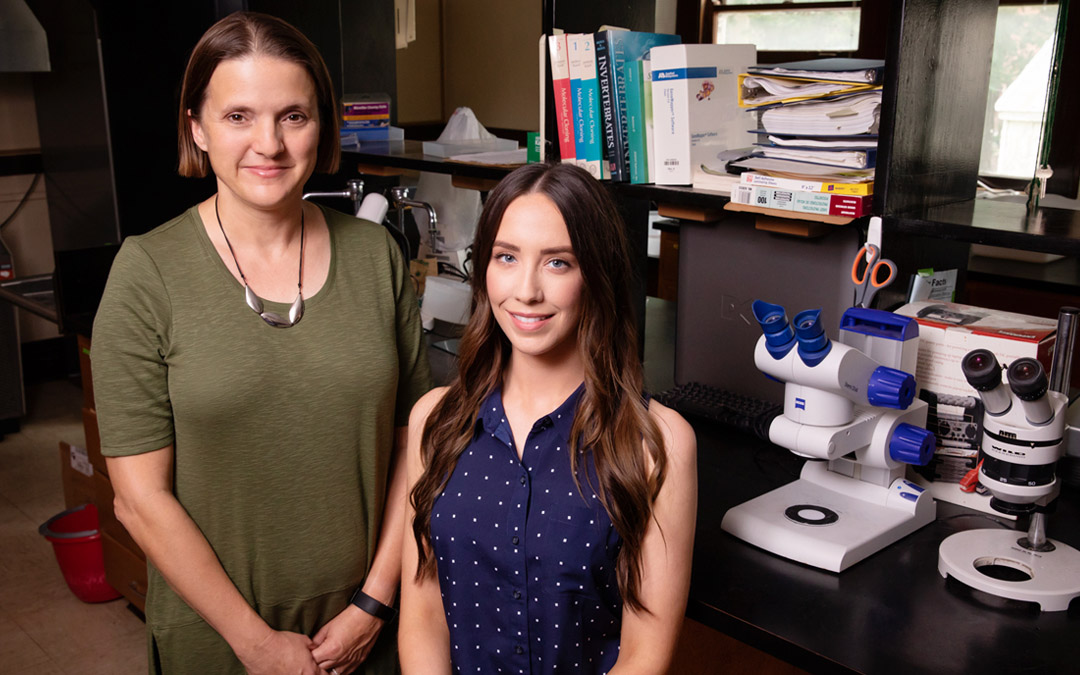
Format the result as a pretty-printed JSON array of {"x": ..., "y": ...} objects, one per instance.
[{"x": 44, "y": 628}]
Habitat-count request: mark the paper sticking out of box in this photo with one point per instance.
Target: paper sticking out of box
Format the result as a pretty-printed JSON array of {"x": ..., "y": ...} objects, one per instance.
[
  {"x": 947, "y": 332},
  {"x": 76, "y": 475},
  {"x": 928, "y": 284}
]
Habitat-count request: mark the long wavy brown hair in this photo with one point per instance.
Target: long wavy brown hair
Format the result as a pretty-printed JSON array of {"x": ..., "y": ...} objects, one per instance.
[{"x": 612, "y": 421}]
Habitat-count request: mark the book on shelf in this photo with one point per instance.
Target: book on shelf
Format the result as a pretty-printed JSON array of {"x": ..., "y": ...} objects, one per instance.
[
  {"x": 650, "y": 138},
  {"x": 759, "y": 90},
  {"x": 603, "y": 84},
  {"x": 614, "y": 48},
  {"x": 869, "y": 71},
  {"x": 756, "y": 179},
  {"x": 573, "y": 62},
  {"x": 695, "y": 106},
  {"x": 637, "y": 153},
  {"x": 564, "y": 110},
  {"x": 851, "y": 206},
  {"x": 585, "y": 96},
  {"x": 847, "y": 115}
]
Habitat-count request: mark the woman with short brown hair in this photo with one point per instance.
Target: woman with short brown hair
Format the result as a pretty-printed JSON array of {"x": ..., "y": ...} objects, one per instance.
[{"x": 255, "y": 360}]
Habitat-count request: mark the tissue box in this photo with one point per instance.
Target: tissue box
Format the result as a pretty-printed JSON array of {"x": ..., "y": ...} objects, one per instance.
[{"x": 947, "y": 332}]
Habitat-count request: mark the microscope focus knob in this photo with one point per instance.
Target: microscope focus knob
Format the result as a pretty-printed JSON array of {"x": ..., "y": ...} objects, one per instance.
[
  {"x": 890, "y": 388},
  {"x": 911, "y": 444}
]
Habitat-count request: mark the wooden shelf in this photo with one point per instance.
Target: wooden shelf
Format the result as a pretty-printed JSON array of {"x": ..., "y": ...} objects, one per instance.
[{"x": 981, "y": 221}]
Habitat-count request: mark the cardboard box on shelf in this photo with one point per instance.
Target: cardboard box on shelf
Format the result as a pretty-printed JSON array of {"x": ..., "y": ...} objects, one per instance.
[{"x": 947, "y": 332}]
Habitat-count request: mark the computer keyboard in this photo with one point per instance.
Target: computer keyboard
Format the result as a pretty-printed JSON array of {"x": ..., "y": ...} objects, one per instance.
[{"x": 702, "y": 402}]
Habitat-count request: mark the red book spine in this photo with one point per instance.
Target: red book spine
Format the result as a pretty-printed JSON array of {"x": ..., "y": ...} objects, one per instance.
[
  {"x": 850, "y": 206},
  {"x": 564, "y": 107}
]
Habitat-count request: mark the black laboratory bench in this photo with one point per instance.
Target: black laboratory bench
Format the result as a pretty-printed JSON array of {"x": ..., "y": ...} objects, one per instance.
[{"x": 890, "y": 613}]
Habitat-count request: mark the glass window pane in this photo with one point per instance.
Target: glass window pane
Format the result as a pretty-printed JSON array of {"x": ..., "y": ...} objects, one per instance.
[
  {"x": 778, "y": 2},
  {"x": 1019, "y": 72},
  {"x": 790, "y": 30}
]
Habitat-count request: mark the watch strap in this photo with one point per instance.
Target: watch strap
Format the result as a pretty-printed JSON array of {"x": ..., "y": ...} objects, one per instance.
[{"x": 373, "y": 606}]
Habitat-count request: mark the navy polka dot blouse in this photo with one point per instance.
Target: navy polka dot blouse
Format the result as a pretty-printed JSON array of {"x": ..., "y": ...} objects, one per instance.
[{"x": 526, "y": 562}]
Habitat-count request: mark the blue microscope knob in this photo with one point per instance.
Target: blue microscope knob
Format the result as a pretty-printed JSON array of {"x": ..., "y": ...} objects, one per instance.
[
  {"x": 911, "y": 444},
  {"x": 890, "y": 388}
]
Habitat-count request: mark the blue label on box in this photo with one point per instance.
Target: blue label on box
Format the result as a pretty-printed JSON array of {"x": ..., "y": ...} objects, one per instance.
[{"x": 683, "y": 73}]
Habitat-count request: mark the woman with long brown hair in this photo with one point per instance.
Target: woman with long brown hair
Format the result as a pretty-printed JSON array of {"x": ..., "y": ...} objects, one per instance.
[{"x": 552, "y": 506}]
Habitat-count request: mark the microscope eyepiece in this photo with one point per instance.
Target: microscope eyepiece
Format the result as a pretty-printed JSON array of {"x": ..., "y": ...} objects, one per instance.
[
  {"x": 814, "y": 344},
  {"x": 1027, "y": 379},
  {"x": 809, "y": 331},
  {"x": 981, "y": 370},
  {"x": 779, "y": 338}
]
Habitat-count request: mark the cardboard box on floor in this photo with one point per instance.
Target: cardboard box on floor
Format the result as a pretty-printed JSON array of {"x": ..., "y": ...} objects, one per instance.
[
  {"x": 947, "y": 332},
  {"x": 77, "y": 475}
]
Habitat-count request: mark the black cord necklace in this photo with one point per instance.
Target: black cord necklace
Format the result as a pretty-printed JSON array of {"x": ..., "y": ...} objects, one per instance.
[{"x": 296, "y": 311}]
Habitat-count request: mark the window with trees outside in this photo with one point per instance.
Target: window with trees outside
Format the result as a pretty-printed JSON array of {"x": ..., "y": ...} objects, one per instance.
[
  {"x": 795, "y": 26},
  {"x": 1019, "y": 75}
]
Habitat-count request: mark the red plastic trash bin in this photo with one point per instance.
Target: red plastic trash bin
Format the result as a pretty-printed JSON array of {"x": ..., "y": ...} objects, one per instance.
[{"x": 77, "y": 542}]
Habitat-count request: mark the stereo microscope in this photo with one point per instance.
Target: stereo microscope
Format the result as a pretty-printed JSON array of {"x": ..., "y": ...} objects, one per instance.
[
  {"x": 850, "y": 409},
  {"x": 1023, "y": 438}
]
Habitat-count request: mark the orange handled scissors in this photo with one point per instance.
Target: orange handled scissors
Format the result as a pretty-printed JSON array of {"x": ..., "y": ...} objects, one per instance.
[{"x": 869, "y": 282}]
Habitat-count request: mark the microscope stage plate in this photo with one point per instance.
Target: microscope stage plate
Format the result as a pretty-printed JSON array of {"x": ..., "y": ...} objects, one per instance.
[
  {"x": 1054, "y": 575},
  {"x": 812, "y": 524}
]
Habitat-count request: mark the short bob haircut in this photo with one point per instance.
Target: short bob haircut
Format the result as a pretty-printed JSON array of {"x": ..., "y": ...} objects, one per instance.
[{"x": 237, "y": 36}]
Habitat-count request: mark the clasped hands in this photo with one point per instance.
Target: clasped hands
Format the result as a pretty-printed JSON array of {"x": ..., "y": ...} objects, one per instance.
[{"x": 339, "y": 647}]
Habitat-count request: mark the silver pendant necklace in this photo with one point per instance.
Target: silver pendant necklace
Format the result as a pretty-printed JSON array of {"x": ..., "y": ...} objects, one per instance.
[{"x": 296, "y": 311}]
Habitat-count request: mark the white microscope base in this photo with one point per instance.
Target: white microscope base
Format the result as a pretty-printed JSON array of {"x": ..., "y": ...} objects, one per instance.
[
  {"x": 1055, "y": 575},
  {"x": 867, "y": 518}
]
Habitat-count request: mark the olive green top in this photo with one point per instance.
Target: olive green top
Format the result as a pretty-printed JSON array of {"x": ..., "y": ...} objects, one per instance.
[{"x": 282, "y": 437}]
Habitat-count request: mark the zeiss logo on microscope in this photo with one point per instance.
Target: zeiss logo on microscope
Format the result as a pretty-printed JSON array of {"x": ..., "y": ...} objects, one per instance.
[{"x": 800, "y": 404}]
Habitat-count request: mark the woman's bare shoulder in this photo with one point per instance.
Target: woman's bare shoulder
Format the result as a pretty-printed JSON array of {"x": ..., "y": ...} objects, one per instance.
[
  {"x": 425, "y": 404},
  {"x": 679, "y": 439}
]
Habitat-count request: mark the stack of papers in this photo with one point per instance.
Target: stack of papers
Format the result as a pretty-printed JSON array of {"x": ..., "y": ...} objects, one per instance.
[
  {"x": 757, "y": 90},
  {"x": 865, "y": 141},
  {"x": 818, "y": 130},
  {"x": 857, "y": 114},
  {"x": 789, "y": 168},
  {"x": 858, "y": 159},
  {"x": 837, "y": 69}
]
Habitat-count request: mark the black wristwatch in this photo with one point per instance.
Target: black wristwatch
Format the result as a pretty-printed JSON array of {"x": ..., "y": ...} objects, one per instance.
[{"x": 373, "y": 606}]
